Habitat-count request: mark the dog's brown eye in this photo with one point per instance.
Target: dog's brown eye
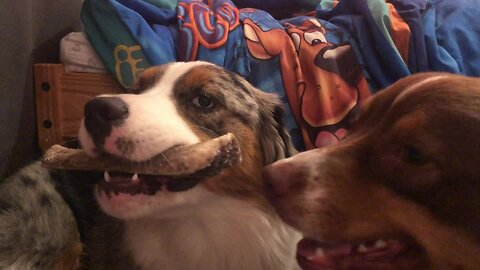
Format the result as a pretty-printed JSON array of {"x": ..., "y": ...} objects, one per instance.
[
  {"x": 414, "y": 156},
  {"x": 203, "y": 101}
]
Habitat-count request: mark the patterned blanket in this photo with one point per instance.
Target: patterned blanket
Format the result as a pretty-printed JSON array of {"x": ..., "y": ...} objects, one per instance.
[{"x": 324, "y": 57}]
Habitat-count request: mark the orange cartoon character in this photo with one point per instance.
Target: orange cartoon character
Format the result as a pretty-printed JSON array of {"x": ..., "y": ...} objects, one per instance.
[
  {"x": 334, "y": 83},
  {"x": 322, "y": 81}
]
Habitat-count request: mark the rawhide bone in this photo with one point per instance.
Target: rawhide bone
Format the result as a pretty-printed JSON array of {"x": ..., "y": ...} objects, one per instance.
[{"x": 208, "y": 157}]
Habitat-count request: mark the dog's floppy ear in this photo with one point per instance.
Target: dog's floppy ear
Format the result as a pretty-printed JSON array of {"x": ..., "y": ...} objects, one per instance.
[{"x": 275, "y": 141}]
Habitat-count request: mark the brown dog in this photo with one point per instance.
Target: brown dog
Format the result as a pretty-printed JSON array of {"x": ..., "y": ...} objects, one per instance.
[{"x": 401, "y": 191}]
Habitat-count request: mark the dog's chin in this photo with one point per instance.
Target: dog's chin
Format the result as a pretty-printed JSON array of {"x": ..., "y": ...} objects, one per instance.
[
  {"x": 388, "y": 253},
  {"x": 161, "y": 203},
  {"x": 382, "y": 252}
]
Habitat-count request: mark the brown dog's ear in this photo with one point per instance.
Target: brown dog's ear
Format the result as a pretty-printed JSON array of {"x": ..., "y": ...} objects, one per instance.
[{"x": 275, "y": 141}]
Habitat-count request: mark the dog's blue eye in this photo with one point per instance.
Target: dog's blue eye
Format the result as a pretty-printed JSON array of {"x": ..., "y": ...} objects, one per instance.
[
  {"x": 414, "y": 156},
  {"x": 203, "y": 101}
]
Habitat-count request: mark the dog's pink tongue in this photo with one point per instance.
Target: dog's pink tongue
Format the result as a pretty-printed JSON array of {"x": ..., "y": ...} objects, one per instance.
[
  {"x": 322, "y": 258},
  {"x": 385, "y": 255}
]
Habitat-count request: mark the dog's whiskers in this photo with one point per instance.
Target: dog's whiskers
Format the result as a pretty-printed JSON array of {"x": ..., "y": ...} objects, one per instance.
[
  {"x": 211, "y": 132},
  {"x": 168, "y": 161}
]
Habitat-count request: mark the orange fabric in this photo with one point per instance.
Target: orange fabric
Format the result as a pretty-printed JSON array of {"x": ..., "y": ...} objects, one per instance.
[{"x": 400, "y": 32}]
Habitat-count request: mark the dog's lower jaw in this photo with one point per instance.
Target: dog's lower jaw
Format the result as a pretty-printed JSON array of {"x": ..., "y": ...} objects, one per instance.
[
  {"x": 211, "y": 237},
  {"x": 163, "y": 204}
]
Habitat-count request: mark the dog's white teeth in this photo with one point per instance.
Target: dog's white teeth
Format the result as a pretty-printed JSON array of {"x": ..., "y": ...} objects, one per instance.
[
  {"x": 364, "y": 248},
  {"x": 381, "y": 244},
  {"x": 135, "y": 178},
  {"x": 106, "y": 176},
  {"x": 319, "y": 253}
]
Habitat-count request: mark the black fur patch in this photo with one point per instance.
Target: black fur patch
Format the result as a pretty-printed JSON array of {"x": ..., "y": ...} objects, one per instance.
[
  {"x": 5, "y": 207},
  {"x": 76, "y": 187},
  {"x": 28, "y": 182},
  {"x": 45, "y": 200}
]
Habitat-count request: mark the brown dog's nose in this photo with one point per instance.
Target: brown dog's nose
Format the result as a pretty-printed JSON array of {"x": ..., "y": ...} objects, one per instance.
[{"x": 279, "y": 177}]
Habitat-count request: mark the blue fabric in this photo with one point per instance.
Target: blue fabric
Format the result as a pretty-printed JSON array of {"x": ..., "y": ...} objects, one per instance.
[
  {"x": 455, "y": 24},
  {"x": 412, "y": 13},
  {"x": 276, "y": 8},
  {"x": 323, "y": 66}
]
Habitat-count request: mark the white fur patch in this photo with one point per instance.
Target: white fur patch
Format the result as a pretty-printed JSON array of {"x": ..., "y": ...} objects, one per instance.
[
  {"x": 218, "y": 233},
  {"x": 163, "y": 204},
  {"x": 86, "y": 140},
  {"x": 153, "y": 124}
]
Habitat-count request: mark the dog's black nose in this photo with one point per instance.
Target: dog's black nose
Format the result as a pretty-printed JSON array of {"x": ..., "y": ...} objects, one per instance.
[
  {"x": 102, "y": 113},
  {"x": 106, "y": 109},
  {"x": 280, "y": 177}
]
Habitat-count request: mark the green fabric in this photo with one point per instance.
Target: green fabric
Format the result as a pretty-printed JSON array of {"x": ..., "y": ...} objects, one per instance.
[
  {"x": 382, "y": 18},
  {"x": 108, "y": 35},
  {"x": 170, "y": 4},
  {"x": 327, "y": 4}
]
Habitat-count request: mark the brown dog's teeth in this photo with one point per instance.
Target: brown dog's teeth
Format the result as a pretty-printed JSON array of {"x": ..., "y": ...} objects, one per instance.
[
  {"x": 319, "y": 253},
  {"x": 380, "y": 243},
  {"x": 368, "y": 246},
  {"x": 106, "y": 176}
]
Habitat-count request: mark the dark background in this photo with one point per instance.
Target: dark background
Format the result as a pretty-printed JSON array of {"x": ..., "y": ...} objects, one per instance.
[{"x": 30, "y": 31}]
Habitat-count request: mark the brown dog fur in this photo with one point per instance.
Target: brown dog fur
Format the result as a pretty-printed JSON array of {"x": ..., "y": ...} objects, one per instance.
[{"x": 409, "y": 167}]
